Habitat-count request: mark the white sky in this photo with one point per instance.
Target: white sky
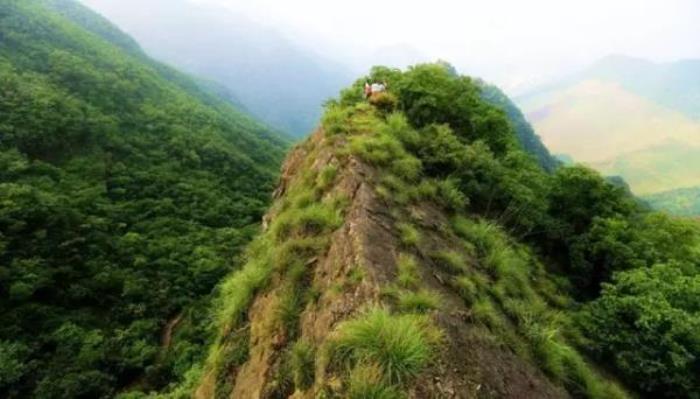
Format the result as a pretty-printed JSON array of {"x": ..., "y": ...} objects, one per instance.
[{"x": 513, "y": 41}]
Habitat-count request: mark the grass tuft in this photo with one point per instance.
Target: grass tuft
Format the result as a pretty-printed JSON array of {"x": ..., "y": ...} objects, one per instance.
[
  {"x": 302, "y": 357},
  {"x": 451, "y": 261},
  {"x": 401, "y": 345},
  {"x": 408, "y": 234},
  {"x": 422, "y": 301},
  {"x": 407, "y": 271},
  {"x": 367, "y": 382}
]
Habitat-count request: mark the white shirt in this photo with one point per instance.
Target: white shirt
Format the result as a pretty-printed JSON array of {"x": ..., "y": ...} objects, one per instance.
[{"x": 378, "y": 87}]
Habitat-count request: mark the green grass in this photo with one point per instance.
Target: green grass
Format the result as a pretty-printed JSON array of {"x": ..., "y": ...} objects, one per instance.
[
  {"x": 407, "y": 271},
  {"x": 514, "y": 303},
  {"x": 400, "y": 345},
  {"x": 451, "y": 261},
  {"x": 418, "y": 302},
  {"x": 288, "y": 308},
  {"x": 326, "y": 177},
  {"x": 356, "y": 275},
  {"x": 467, "y": 289},
  {"x": 398, "y": 126},
  {"x": 237, "y": 290},
  {"x": 408, "y": 234},
  {"x": 302, "y": 357},
  {"x": 481, "y": 234},
  {"x": 314, "y": 219},
  {"x": 367, "y": 382},
  {"x": 378, "y": 150}
]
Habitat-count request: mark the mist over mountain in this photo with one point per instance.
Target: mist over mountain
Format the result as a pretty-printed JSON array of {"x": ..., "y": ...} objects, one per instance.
[
  {"x": 279, "y": 82},
  {"x": 628, "y": 117}
]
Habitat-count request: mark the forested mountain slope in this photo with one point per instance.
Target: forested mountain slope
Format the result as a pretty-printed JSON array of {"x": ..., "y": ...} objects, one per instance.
[
  {"x": 414, "y": 250},
  {"x": 125, "y": 194}
]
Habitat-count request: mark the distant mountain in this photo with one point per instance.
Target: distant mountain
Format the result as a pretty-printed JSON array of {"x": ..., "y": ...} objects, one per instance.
[
  {"x": 279, "y": 82},
  {"x": 627, "y": 117},
  {"x": 683, "y": 201}
]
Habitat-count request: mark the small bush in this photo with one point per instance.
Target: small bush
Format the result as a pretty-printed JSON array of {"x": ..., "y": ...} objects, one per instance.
[
  {"x": 385, "y": 102},
  {"x": 407, "y": 271},
  {"x": 408, "y": 234},
  {"x": 302, "y": 358},
  {"x": 367, "y": 382},
  {"x": 400, "y": 345},
  {"x": 418, "y": 302}
]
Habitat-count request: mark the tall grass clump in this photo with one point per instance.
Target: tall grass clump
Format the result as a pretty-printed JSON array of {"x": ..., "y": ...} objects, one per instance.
[
  {"x": 451, "y": 261},
  {"x": 238, "y": 290},
  {"x": 311, "y": 220},
  {"x": 400, "y": 345},
  {"x": 407, "y": 275},
  {"x": 368, "y": 382},
  {"x": 408, "y": 234},
  {"x": 417, "y": 301},
  {"x": 302, "y": 357},
  {"x": 482, "y": 234},
  {"x": 326, "y": 177}
]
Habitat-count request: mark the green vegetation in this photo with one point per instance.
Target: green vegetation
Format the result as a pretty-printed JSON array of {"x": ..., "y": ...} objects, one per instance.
[
  {"x": 463, "y": 154},
  {"x": 409, "y": 235},
  {"x": 302, "y": 362},
  {"x": 126, "y": 194},
  {"x": 407, "y": 271},
  {"x": 417, "y": 302},
  {"x": 680, "y": 202},
  {"x": 298, "y": 232},
  {"x": 367, "y": 382},
  {"x": 399, "y": 345}
]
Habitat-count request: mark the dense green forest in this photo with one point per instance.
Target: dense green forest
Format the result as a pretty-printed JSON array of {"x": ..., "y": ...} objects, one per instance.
[{"x": 126, "y": 193}]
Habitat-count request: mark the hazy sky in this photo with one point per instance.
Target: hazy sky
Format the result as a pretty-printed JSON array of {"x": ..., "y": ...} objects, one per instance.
[{"x": 515, "y": 43}]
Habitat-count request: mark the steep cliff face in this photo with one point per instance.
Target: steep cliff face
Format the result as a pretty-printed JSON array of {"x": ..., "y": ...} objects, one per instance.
[{"x": 356, "y": 270}]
